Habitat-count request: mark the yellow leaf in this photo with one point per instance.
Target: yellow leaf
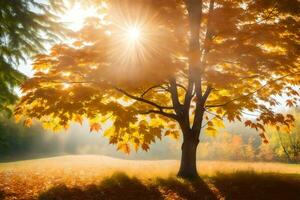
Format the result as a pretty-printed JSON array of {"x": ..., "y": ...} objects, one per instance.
[
  {"x": 219, "y": 123},
  {"x": 210, "y": 123},
  {"x": 211, "y": 131},
  {"x": 78, "y": 119},
  {"x": 110, "y": 131},
  {"x": 124, "y": 147}
]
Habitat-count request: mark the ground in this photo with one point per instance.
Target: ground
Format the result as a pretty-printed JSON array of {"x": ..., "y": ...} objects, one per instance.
[{"x": 99, "y": 177}]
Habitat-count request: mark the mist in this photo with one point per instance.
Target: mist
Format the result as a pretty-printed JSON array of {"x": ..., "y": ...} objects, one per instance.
[{"x": 22, "y": 142}]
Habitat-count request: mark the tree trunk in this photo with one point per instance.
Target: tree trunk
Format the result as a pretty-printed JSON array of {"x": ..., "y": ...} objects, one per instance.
[
  {"x": 188, "y": 165},
  {"x": 188, "y": 168}
]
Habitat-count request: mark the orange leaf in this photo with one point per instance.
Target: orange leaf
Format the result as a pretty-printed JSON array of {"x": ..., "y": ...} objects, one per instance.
[
  {"x": 78, "y": 119},
  {"x": 95, "y": 127},
  {"x": 27, "y": 122},
  {"x": 145, "y": 147},
  {"x": 124, "y": 147},
  {"x": 289, "y": 103},
  {"x": 248, "y": 123}
]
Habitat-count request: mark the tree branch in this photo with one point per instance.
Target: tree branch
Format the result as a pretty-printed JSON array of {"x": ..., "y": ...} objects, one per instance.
[
  {"x": 174, "y": 96},
  {"x": 199, "y": 112},
  {"x": 254, "y": 92},
  {"x": 212, "y": 119},
  {"x": 209, "y": 32},
  {"x": 73, "y": 82},
  {"x": 161, "y": 108},
  {"x": 181, "y": 86},
  {"x": 214, "y": 114},
  {"x": 149, "y": 89},
  {"x": 169, "y": 115}
]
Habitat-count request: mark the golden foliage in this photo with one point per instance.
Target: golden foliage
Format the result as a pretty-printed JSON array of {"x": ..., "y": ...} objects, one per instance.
[{"x": 248, "y": 56}]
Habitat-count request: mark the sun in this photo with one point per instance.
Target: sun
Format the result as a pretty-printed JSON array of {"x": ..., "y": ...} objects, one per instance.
[{"x": 134, "y": 33}]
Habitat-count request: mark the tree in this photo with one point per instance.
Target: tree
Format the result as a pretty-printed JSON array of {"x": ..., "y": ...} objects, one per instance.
[
  {"x": 17, "y": 142},
  {"x": 287, "y": 143},
  {"x": 290, "y": 144},
  {"x": 154, "y": 68},
  {"x": 266, "y": 153},
  {"x": 25, "y": 26}
]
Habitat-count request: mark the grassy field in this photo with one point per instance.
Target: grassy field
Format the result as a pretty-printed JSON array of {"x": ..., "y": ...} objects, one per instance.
[{"x": 100, "y": 177}]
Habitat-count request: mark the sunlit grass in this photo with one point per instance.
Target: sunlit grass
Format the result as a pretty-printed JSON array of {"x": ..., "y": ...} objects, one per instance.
[
  {"x": 144, "y": 168},
  {"x": 32, "y": 177}
]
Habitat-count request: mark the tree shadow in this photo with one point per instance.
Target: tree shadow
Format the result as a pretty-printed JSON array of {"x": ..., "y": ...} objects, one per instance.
[
  {"x": 117, "y": 187},
  {"x": 250, "y": 185},
  {"x": 121, "y": 187},
  {"x": 2, "y": 195},
  {"x": 234, "y": 186},
  {"x": 195, "y": 189}
]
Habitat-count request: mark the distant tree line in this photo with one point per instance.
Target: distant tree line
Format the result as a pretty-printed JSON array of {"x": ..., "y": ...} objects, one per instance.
[
  {"x": 19, "y": 142},
  {"x": 239, "y": 143},
  {"x": 281, "y": 148}
]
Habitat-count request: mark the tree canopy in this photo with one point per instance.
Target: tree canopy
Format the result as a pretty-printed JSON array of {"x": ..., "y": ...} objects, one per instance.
[
  {"x": 190, "y": 65},
  {"x": 25, "y": 27}
]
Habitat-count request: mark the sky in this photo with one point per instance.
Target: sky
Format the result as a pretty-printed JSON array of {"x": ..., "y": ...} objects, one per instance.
[{"x": 74, "y": 18}]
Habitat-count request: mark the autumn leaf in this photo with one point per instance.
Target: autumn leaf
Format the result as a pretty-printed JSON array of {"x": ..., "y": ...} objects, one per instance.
[
  {"x": 136, "y": 146},
  {"x": 210, "y": 123},
  {"x": 248, "y": 123},
  {"x": 168, "y": 132},
  {"x": 78, "y": 119},
  {"x": 211, "y": 131},
  {"x": 145, "y": 147},
  {"x": 218, "y": 123},
  {"x": 124, "y": 148},
  {"x": 95, "y": 127},
  {"x": 27, "y": 122},
  {"x": 289, "y": 103}
]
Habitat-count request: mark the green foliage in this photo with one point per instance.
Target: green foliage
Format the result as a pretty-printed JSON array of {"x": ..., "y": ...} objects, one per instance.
[
  {"x": 25, "y": 27},
  {"x": 9, "y": 79}
]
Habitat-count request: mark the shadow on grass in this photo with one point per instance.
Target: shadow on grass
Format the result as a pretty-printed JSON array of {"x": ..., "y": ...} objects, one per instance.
[
  {"x": 232, "y": 186},
  {"x": 191, "y": 190},
  {"x": 120, "y": 187},
  {"x": 2, "y": 195},
  {"x": 250, "y": 185}
]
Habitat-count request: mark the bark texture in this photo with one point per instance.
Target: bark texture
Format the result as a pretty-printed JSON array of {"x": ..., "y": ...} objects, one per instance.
[{"x": 188, "y": 164}]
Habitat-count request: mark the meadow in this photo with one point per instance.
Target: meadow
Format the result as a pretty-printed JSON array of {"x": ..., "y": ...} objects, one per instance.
[{"x": 101, "y": 177}]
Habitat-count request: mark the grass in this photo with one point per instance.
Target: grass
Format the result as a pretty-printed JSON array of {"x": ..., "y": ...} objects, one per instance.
[{"x": 100, "y": 177}]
